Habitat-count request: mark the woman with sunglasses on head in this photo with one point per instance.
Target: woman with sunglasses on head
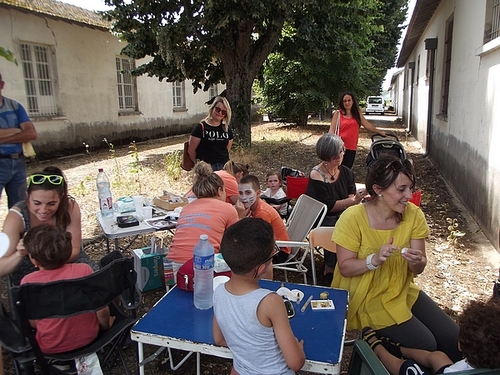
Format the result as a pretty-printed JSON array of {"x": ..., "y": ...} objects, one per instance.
[
  {"x": 346, "y": 122},
  {"x": 380, "y": 248},
  {"x": 333, "y": 184},
  {"x": 47, "y": 202},
  {"x": 212, "y": 138}
]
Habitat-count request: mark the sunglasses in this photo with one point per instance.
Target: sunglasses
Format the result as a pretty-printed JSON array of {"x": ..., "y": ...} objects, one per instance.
[
  {"x": 38, "y": 179},
  {"x": 220, "y": 111},
  {"x": 398, "y": 165},
  {"x": 273, "y": 254}
]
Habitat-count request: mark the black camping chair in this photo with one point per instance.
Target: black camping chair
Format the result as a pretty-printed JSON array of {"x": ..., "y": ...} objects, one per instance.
[
  {"x": 67, "y": 298},
  {"x": 16, "y": 345},
  {"x": 279, "y": 202}
]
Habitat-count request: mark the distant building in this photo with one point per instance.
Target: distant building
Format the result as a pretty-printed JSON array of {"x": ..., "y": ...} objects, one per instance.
[
  {"x": 450, "y": 88},
  {"x": 72, "y": 79}
]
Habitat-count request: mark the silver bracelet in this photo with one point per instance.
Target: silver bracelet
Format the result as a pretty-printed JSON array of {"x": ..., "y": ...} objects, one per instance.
[{"x": 369, "y": 263}]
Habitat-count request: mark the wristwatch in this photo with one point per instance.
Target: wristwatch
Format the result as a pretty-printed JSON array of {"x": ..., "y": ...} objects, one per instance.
[{"x": 369, "y": 263}]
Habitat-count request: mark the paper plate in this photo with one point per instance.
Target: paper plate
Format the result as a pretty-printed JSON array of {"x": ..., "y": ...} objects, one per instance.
[
  {"x": 219, "y": 280},
  {"x": 4, "y": 244},
  {"x": 296, "y": 295}
]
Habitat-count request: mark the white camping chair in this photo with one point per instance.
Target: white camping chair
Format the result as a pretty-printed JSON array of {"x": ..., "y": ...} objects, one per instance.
[{"x": 306, "y": 212}]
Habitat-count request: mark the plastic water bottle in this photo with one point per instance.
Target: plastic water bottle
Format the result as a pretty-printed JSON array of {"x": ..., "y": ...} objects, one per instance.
[
  {"x": 203, "y": 273},
  {"x": 104, "y": 194}
]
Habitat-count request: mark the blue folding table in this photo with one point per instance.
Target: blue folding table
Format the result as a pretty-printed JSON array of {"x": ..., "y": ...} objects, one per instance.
[{"x": 175, "y": 323}]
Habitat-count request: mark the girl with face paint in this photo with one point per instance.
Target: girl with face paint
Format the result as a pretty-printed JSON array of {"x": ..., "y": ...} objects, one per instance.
[{"x": 249, "y": 191}]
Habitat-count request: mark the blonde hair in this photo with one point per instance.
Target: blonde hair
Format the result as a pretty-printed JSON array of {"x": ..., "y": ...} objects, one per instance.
[
  {"x": 206, "y": 182},
  {"x": 227, "y": 118},
  {"x": 233, "y": 168}
]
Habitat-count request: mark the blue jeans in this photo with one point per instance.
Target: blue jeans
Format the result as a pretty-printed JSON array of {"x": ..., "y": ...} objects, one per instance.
[
  {"x": 13, "y": 179},
  {"x": 217, "y": 166}
]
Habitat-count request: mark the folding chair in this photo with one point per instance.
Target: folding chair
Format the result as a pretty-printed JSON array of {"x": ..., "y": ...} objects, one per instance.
[
  {"x": 321, "y": 237},
  {"x": 67, "y": 298},
  {"x": 18, "y": 347},
  {"x": 364, "y": 361},
  {"x": 286, "y": 172},
  {"x": 278, "y": 202},
  {"x": 306, "y": 213}
]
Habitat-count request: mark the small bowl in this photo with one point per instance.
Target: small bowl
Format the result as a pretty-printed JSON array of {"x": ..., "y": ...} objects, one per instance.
[{"x": 219, "y": 280}]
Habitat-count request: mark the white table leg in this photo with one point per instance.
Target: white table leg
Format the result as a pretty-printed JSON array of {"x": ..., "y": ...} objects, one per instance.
[
  {"x": 313, "y": 265},
  {"x": 141, "y": 357}
]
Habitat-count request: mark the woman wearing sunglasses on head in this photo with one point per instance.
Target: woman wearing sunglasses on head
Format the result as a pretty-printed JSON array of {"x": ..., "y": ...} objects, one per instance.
[
  {"x": 47, "y": 202},
  {"x": 380, "y": 249},
  {"x": 212, "y": 138}
]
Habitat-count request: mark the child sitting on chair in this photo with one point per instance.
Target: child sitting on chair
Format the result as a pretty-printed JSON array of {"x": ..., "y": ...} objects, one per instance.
[
  {"x": 478, "y": 339},
  {"x": 249, "y": 190},
  {"x": 274, "y": 190},
  {"x": 49, "y": 249},
  {"x": 248, "y": 319}
]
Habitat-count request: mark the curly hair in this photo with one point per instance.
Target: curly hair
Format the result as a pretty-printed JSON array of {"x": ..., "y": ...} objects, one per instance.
[
  {"x": 49, "y": 245},
  {"x": 479, "y": 334}
]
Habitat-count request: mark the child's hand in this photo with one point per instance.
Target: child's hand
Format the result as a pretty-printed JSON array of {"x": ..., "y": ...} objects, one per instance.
[
  {"x": 111, "y": 321},
  {"x": 301, "y": 343},
  {"x": 21, "y": 250}
]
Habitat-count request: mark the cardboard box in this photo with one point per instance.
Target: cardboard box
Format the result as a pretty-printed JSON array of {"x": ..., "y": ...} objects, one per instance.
[
  {"x": 149, "y": 268},
  {"x": 166, "y": 203}
]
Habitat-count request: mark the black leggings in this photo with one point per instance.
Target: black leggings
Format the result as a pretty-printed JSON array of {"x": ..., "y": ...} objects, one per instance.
[
  {"x": 429, "y": 328},
  {"x": 349, "y": 157}
]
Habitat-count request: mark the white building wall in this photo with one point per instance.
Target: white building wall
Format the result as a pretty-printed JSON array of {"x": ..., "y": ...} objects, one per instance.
[
  {"x": 464, "y": 143},
  {"x": 84, "y": 64}
]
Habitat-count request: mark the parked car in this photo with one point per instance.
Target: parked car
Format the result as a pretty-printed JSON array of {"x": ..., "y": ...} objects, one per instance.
[{"x": 375, "y": 104}]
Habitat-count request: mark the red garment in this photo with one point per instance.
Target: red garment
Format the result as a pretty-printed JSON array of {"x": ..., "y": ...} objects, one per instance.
[
  {"x": 349, "y": 132},
  {"x": 57, "y": 335},
  {"x": 209, "y": 216},
  {"x": 269, "y": 214}
]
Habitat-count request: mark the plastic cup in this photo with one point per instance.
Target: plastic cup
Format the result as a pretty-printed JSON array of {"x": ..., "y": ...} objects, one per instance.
[
  {"x": 138, "y": 203},
  {"x": 147, "y": 212}
]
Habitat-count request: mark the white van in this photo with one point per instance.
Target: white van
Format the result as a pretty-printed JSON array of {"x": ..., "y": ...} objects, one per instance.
[{"x": 375, "y": 104}]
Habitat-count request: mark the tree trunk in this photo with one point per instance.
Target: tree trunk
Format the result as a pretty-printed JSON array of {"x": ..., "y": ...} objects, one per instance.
[
  {"x": 242, "y": 57},
  {"x": 239, "y": 94}
]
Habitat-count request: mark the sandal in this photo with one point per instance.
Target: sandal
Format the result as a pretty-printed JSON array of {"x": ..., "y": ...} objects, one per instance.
[
  {"x": 370, "y": 337},
  {"x": 392, "y": 347}
]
